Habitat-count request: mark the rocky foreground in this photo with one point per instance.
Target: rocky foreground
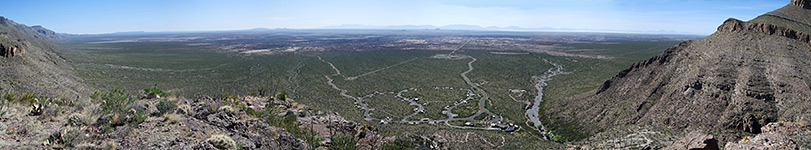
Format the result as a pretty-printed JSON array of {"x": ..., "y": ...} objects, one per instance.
[{"x": 152, "y": 122}]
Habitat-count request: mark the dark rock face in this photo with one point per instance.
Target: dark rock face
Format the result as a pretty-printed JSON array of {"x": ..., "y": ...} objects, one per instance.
[
  {"x": 735, "y": 25},
  {"x": 7, "y": 50},
  {"x": 802, "y": 3},
  {"x": 203, "y": 106}
]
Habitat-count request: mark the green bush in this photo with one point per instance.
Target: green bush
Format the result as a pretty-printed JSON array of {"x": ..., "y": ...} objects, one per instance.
[
  {"x": 118, "y": 102},
  {"x": 166, "y": 106},
  {"x": 138, "y": 117},
  {"x": 115, "y": 101},
  {"x": 28, "y": 98},
  {"x": 154, "y": 92},
  {"x": 10, "y": 96},
  {"x": 282, "y": 95}
]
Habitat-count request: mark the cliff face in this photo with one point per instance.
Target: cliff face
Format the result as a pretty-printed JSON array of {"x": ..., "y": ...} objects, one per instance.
[
  {"x": 735, "y": 25},
  {"x": 10, "y": 50},
  {"x": 740, "y": 78}
]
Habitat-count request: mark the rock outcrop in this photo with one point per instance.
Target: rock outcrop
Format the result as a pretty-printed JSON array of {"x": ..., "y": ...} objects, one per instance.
[
  {"x": 8, "y": 50},
  {"x": 776, "y": 135},
  {"x": 735, "y": 25},
  {"x": 695, "y": 141},
  {"x": 802, "y": 3}
]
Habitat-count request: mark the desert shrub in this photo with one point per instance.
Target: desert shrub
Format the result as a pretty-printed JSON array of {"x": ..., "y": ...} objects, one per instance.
[
  {"x": 28, "y": 98},
  {"x": 154, "y": 92},
  {"x": 399, "y": 144},
  {"x": 118, "y": 103},
  {"x": 10, "y": 96},
  {"x": 166, "y": 106},
  {"x": 138, "y": 117},
  {"x": 343, "y": 142},
  {"x": 66, "y": 138},
  {"x": 222, "y": 141},
  {"x": 282, "y": 95},
  {"x": 115, "y": 101},
  {"x": 4, "y": 102}
]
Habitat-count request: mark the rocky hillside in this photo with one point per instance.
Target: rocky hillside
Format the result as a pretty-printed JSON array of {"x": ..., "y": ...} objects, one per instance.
[
  {"x": 729, "y": 84},
  {"x": 30, "y": 62}
]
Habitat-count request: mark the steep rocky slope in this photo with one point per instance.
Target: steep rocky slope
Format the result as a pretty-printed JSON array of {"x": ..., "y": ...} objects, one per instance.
[
  {"x": 729, "y": 84},
  {"x": 30, "y": 62}
]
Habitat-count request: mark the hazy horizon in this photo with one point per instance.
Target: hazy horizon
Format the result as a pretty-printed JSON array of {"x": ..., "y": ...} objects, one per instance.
[{"x": 634, "y": 16}]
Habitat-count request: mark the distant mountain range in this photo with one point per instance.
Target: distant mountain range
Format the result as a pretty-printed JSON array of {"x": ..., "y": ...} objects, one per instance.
[{"x": 491, "y": 28}]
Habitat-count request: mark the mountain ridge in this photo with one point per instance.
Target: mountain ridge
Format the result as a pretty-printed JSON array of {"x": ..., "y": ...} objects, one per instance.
[
  {"x": 36, "y": 31},
  {"x": 30, "y": 62},
  {"x": 730, "y": 84}
]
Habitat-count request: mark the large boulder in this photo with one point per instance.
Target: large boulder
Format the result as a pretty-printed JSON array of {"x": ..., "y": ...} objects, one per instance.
[
  {"x": 695, "y": 141},
  {"x": 776, "y": 135}
]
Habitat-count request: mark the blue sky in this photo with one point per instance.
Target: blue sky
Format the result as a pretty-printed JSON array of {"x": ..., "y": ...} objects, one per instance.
[{"x": 651, "y": 16}]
